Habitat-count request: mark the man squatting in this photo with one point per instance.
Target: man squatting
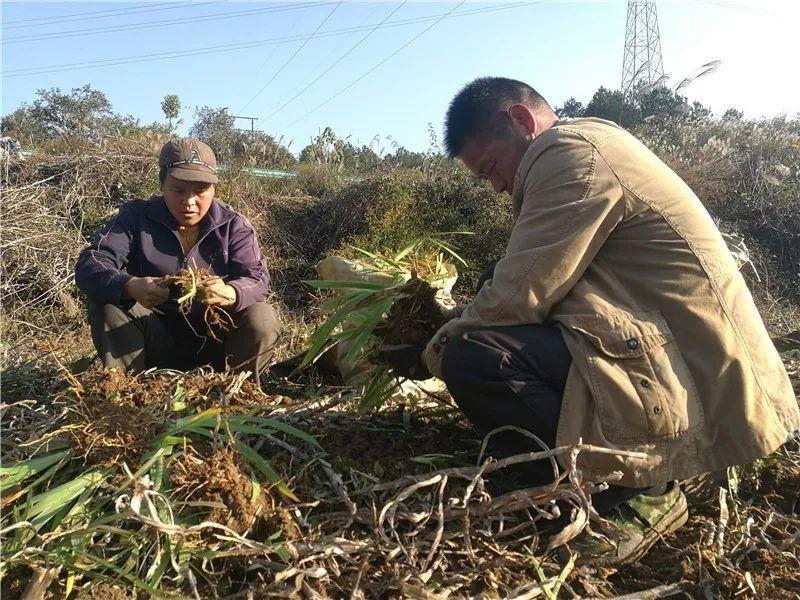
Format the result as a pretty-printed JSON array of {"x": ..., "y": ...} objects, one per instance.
[{"x": 617, "y": 316}]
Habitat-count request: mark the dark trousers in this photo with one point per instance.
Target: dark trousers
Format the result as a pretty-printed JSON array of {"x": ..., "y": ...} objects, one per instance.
[
  {"x": 137, "y": 339},
  {"x": 516, "y": 376}
]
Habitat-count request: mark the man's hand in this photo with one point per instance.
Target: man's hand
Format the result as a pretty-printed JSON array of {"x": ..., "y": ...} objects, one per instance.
[
  {"x": 147, "y": 291},
  {"x": 215, "y": 292},
  {"x": 405, "y": 360}
]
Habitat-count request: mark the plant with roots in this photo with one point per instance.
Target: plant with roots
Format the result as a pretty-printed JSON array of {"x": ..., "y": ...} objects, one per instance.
[
  {"x": 187, "y": 281},
  {"x": 97, "y": 512},
  {"x": 401, "y": 308}
]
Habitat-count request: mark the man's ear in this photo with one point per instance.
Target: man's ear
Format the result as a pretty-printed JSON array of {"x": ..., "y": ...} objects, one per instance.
[{"x": 522, "y": 117}]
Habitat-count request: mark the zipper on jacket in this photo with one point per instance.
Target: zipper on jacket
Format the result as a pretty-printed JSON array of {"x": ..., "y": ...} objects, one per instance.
[
  {"x": 185, "y": 260},
  {"x": 184, "y": 256}
]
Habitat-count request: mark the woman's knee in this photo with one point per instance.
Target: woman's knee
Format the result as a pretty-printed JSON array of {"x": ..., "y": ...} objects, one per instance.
[{"x": 260, "y": 321}]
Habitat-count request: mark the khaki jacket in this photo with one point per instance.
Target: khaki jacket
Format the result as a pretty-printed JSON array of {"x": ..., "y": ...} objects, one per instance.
[{"x": 670, "y": 356}]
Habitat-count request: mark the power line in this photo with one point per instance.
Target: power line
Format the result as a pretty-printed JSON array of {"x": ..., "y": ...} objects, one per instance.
[
  {"x": 267, "y": 59},
  {"x": 340, "y": 59},
  {"x": 376, "y": 66},
  {"x": 741, "y": 7},
  {"x": 84, "y": 16},
  {"x": 291, "y": 58},
  {"x": 193, "y": 52},
  {"x": 324, "y": 59},
  {"x": 156, "y": 24}
]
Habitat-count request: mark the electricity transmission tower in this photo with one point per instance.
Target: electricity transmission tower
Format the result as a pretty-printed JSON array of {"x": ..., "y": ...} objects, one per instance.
[{"x": 641, "y": 63}]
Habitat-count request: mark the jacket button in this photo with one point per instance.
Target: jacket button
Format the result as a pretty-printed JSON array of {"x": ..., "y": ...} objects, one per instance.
[
  {"x": 633, "y": 343},
  {"x": 644, "y": 383},
  {"x": 444, "y": 339},
  {"x": 436, "y": 347},
  {"x": 657, "y": 410}
]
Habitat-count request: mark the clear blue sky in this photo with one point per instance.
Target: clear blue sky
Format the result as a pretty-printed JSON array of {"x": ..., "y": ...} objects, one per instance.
[{"x": 562, "y": 48}]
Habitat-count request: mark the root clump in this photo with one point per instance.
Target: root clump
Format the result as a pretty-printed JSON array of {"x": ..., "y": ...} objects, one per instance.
[
  {"x": 208, "y": 389},
  {"x": 222, "y": 477},
  {"x": 113, "y": 416},
  {"x": 415, "y": 317},
  {"x": 187, "y": 281}
]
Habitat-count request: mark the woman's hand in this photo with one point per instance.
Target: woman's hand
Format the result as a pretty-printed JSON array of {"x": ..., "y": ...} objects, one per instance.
[
  {"x": 147, "y": 291},
  {"x": 215, "y": 292}
]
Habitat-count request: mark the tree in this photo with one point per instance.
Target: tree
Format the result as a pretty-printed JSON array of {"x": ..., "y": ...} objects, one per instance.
[
  {"x": 571, "y": 108},
  {"x": 660, "y": 101},
  {"x": 642, "y": 104},
  {"x": 171, "y": 105},
  {"x": 82, "y": 113},
  {"x": 331, "y": 151},
  {"x": 698, "y": 112},
  {"x": 613, "y": 106},
  {"x": 214, "y": 126},
  {"x": 405, "y": 158},
  {"x": 326, "y": 149},
  {"x": 22, "y": 125},
  {"x": 732, "y": 114}
]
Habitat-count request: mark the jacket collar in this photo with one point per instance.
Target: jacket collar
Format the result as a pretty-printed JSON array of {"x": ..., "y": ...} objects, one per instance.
[
  {"x": 218, "y": 214},
  {"x": 524, "y": 167},
  {"x": 518, "y": 196}
]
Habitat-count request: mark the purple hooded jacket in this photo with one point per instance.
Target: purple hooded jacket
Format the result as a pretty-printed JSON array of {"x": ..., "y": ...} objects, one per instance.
[{"x": 142, "y": 240}]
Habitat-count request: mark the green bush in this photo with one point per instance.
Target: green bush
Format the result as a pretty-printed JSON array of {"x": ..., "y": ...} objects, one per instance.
[{"x": 403, "y": 205}]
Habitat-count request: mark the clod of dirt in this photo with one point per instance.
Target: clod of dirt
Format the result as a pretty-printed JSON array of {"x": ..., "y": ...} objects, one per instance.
[
  {"x": 223, "y": 477},
  {"x": 414, "y": 318},
  {"x": 113, "y": 416}
]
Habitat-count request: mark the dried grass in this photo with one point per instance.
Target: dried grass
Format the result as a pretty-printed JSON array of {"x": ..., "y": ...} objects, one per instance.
[
  {"x": 51, "y": 205},
  {"x": 405, "y": 505}
]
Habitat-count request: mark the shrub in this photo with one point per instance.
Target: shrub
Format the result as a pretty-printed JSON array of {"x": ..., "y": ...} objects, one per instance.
[{"x": 747, "y": 173}]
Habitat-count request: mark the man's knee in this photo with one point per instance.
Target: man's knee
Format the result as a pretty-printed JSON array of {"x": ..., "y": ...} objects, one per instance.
[
  {"x": 468, "y": 357},
  {"x": 109, "y": 316}
]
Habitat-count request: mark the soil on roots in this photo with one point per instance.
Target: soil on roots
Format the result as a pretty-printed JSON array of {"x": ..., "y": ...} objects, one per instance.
[
  {"x": 414, "y": 318},
  {"x": 221, "y": 476},
  {"x": 186, "y": 281},
  {"x": 206, "y": 389},
  {"x": 112, "y": 416}
]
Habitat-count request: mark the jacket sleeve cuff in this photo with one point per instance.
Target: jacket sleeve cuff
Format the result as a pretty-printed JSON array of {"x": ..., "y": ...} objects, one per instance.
[
  {"x": 115, "y": 288},
  {"x": 241, "y": 298},
  {"x": 434, "y": 351}
]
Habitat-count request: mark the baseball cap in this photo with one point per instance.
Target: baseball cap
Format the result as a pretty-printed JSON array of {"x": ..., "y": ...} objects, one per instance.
[{"x": 188, "y": 159}]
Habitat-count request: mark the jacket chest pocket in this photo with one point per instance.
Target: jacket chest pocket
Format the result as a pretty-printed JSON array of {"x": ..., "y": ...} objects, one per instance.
[{"x": 641, "y": 385}]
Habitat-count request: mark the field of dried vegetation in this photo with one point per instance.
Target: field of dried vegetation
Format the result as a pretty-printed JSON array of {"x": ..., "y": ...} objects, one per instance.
[{"x": 202, "y": 485}]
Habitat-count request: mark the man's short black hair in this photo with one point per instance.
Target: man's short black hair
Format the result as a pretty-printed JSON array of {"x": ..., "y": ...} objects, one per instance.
[{"x": 478, "y": 110}]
